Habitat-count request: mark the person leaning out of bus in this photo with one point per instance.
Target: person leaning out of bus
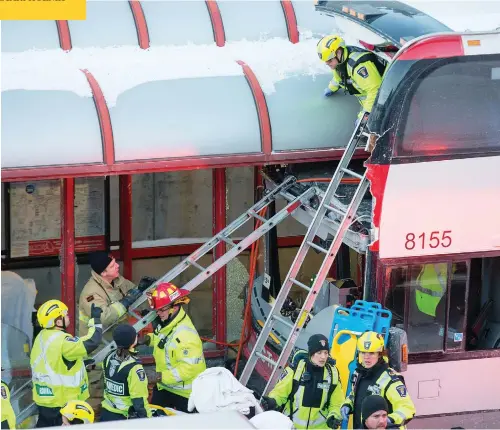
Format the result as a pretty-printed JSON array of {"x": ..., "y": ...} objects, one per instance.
[
  {"x": 8, "y": 415},
  {"x": 77, "y": 412},
  {"x": 374, "y": 376},
  {"x": 309, "y": 389},
  {"x": 177, "y": 347},
  {"x": 125, "y": 383},
  {"x": 57, "y": 366}
]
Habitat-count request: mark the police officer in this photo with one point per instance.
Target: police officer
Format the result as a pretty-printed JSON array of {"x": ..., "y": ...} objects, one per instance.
[
  {"x": 8, "y": 415},
  {"x": 177, "y": 347},
  {"x": 373, "y": 376},
  {"x": 309, "y": 389},
  {"x": 125, "y": 383},
  {"x": 357, "y": 71},
  {"x": 77, "y": 412},
  {"x": 57, "y": 366}
]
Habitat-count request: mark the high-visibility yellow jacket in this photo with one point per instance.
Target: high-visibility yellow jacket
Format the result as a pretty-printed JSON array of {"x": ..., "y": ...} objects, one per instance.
[
  {"x": 57, "y": 367},
  {"x": 8, "y": 415},
  {"x": 178, "y": 353},
  {"x": 309, "y": 403}
]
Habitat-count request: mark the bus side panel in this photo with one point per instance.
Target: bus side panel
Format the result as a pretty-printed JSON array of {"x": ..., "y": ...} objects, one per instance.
[
  {"x": 441, "y": 207},
  {"x": 454, "y": 386}
]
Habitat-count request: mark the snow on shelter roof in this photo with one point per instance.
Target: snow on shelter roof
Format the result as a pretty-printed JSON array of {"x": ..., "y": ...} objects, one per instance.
[{"x": 255, "y": 96}]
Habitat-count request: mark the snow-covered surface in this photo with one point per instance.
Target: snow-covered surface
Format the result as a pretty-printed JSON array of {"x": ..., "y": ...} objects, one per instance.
[
  {"x": 462, "y": 15},
  {"x": 119, "y": 69}
]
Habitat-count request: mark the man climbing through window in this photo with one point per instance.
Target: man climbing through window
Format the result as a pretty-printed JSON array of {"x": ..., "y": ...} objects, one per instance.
[
  {"x": 309, "y": 389},
  {"x": 359, "y": 72}
]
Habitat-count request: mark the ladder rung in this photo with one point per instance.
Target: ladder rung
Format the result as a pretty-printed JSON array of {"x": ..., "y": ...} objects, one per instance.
[
  {"x": 300, "y": 284},
  {"x": 195, "y": 264},
  {"x": 317, "y": 247},
  {"x": 365, "y": 134},
  {"x": 350, "y": 172},
  {"x": 336, "y": 210},
  {"x": 282, "y": 321},
  {"x": 227, "y": 240},
  {"x": 256, "y": 215},
  {"x": 266, "y": 359}
]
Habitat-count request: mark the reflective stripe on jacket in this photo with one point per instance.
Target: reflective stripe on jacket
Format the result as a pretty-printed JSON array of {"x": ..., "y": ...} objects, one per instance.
[{"x": 178, "y": 353}]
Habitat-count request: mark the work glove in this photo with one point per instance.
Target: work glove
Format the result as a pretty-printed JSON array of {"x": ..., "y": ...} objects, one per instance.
[
  {"x": 145, "y": 283},
  {"x": 89, "y": 364},
  {"x": 144, "y": 340},
  {"x": 95, "y": 312},
  {"x": 328, "y": 92},
  {"x": 131, "y": 297},
  {"x": 333, "y": 422},
  {"x": 391, "y": 424},
  {"x": 345, "y": 411},
  {"x": 268, "y": 403}
]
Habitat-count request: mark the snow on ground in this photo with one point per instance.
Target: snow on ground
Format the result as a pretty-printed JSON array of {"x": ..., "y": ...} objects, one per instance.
[{"x": 118, "y": 69}]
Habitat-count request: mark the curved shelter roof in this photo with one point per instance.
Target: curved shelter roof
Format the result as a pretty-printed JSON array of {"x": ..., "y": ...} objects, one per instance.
[{"x": 163, "y": 85}]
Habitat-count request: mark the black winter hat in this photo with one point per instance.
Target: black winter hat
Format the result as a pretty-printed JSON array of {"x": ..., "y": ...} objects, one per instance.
[
  {"x": 372, "y": 404},
  {"x": 124, "y": 336},
  {"x": 99, "y": 261},
  {"x": 317, "y": 342}
]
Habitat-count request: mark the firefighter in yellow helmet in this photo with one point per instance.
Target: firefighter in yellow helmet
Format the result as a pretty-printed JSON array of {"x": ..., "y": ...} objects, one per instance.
[
  {"x": 358, "y": 71},
  {"x": 309, "y": 389},
  {"x": 177, "y": 347},
  {"x": 57, "y": 366},
  {"x": 373, "y": 376},
  {"x": 8, "y": 415},
  {"x": 125, "y": 383},
  {"x": 77, "y": 412}
]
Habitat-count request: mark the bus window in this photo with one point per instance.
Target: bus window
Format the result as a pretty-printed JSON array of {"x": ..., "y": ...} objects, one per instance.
[
  {"x": 452, "y": 108},
  {"x": 427, "y": 300}
]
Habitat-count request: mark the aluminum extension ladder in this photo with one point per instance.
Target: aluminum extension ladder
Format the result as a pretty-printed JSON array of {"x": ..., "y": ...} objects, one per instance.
[
  {"x": 223, "y": 236},
  {"x": 307, "y": 244}
]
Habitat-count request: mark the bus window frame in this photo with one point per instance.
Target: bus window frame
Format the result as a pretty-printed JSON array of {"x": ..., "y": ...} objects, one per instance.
[{"x": 383, "y": 277}]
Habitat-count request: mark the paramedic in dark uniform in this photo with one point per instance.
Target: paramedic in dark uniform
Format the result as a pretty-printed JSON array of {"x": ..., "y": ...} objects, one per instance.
[
  {"x": 125, "y": 383},
  {"x": 309, "y": 389},
  {"x": 357, "y": 71},
  {"x": 374, "y": 376}
]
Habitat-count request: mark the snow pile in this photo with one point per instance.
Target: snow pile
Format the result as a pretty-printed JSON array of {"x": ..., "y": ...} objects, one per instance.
[{"x": 118, "y": 69}]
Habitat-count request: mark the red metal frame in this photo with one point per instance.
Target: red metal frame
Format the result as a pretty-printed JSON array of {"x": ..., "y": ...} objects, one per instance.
[
  {"x": 217, "y": 24},
  {"x": 68, "y": 292},
  {"x": 104, "y": 119},
  {"x": 140, "y": 23},
  {"x": 125, "y": 193},
  {"x": 219, "y": 312},
  {"x": 261, "y": 104},
  {"x": 64, "y": 35},
  {"x": 291, "y": 21},
  {"x": 442, "y": 46}
]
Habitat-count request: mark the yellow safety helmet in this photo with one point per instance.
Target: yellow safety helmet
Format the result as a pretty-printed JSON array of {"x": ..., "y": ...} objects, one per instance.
[
  {"x": 80, "y": 410},
  {"x": 371, "y": 342},
  {"x": 50, "y": 311},
  {"x": 327, "y": 47}
]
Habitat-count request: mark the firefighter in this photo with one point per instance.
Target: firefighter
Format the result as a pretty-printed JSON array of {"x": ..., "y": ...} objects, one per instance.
[
  {"x": 373, "y": 376},
  {"x": 114, "y": 294},
  {"x": 57, "y": 366},
  {"x": 126, "y": 386},
  {"x": 177, "y": 347},
  {"x": 8, "y": 415},
  {"x": 309, "y": 389},
  {"x": 357, "y": 71},
  {"x": 374, "y": 411},
  {"x": 77, "y": 412}
]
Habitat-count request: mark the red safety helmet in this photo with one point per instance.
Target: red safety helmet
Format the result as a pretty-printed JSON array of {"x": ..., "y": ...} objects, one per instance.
[{"x": 166, "y": 294}]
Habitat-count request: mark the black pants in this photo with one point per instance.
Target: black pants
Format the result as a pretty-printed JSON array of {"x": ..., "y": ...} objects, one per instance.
[
  {"x": 111, "y": 416},
  {"x": 49, "y": 417},
  {"x": 167, "y": 399}
]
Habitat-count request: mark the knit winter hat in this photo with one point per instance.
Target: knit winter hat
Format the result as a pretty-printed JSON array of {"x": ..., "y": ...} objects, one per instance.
[
  {"x": 99, "y": 261},
  {"x": 372, "y": 404},
  {"x": 124, "y": 335},
  {"x": 317, "y": 342}
]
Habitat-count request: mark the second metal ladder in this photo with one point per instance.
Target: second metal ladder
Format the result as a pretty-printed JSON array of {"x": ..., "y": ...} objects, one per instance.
[{"x": 291, "y": 278}]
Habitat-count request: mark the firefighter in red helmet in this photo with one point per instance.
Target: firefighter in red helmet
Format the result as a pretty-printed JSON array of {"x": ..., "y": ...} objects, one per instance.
[{"x": 177, "y": 347}]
